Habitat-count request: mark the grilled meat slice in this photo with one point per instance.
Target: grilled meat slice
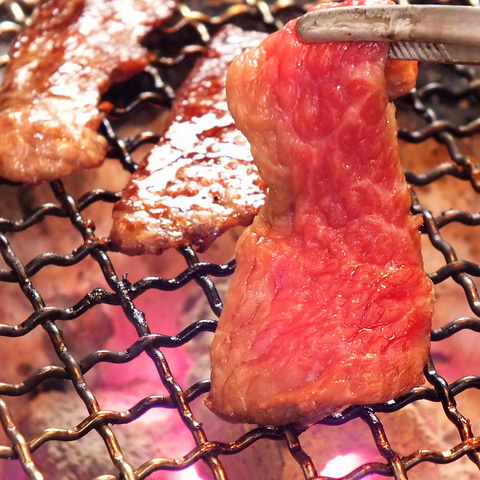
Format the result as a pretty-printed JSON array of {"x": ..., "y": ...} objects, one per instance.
[
  {"x": 59, "y": 67},
  {"x": 199, "y": 180}
]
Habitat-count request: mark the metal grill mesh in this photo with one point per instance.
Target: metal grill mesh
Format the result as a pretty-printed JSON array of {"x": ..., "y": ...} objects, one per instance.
[{"x": 443, "y": 114}]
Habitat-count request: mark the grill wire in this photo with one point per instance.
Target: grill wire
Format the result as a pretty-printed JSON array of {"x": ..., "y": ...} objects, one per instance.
[{"x": 439, "y": 112}]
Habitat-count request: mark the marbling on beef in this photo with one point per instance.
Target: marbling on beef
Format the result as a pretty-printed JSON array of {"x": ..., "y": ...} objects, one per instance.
[
  {"x": 59, "y": 67},
  {"x": 199, "y": 180},
  {"x": 330, "y": 304}
]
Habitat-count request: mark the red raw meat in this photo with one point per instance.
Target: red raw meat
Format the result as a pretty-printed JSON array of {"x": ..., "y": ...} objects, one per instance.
[{"x": 329, "y": 305}]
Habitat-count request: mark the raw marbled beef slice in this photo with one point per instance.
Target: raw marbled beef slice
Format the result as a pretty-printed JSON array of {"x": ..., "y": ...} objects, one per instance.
[{"x": 330, "y": 304}]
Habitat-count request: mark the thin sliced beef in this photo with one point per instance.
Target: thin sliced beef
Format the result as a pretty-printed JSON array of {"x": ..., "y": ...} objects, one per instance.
[
  {"x": 59, "y": 67},
  {"x": 329, "y": 305},
  {"x": 199, "y": 180}
]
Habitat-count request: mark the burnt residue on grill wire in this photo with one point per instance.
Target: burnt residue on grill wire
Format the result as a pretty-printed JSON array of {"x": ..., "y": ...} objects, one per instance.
[{"x": 443, "y": 112}]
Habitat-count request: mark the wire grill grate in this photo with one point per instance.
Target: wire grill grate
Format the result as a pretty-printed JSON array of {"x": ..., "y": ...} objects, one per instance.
[{"x": 444, "y": 110}]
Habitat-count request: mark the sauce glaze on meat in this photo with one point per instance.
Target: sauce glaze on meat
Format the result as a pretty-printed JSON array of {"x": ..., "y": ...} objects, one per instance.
[
  {"x": 199, "y": 180},
  {"x": 59, "y": 67},
  {"x": 329, "y": 304}
]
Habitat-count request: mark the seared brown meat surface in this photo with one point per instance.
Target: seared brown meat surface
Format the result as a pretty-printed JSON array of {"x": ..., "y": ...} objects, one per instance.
[
  {"x": 199, "y": 180},
  {"x": 59, "y": 67}
]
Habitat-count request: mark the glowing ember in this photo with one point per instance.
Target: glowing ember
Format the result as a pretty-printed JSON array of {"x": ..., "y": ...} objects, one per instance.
[
  {"x": 342, "y": 465},
  {"x": 190, "y": 474}
]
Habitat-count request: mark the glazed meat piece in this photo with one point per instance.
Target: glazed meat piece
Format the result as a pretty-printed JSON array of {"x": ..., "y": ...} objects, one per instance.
[
  {"x": 199, "y": 180},
  {"x": 329, "y": 305},
  {"x": 59, "y": 67}
]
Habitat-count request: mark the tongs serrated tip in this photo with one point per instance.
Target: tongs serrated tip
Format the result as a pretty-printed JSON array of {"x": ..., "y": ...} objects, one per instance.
[{"x": 434, "y": 33}]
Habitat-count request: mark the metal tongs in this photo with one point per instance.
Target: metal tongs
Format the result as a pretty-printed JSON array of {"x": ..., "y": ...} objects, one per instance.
[{"x": 432, "y": 33}]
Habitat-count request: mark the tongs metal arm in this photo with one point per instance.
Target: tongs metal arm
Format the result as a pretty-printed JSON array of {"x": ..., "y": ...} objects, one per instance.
[{"x": 438, "y": 33}]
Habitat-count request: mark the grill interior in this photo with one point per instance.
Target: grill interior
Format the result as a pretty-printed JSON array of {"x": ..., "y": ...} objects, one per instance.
[{"x": 105, "y": 358}]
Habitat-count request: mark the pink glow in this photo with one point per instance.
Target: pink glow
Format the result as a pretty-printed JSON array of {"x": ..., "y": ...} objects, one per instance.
[
  {"x": 190, "y": 474},
  {"x": 342, "y": 465}
]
